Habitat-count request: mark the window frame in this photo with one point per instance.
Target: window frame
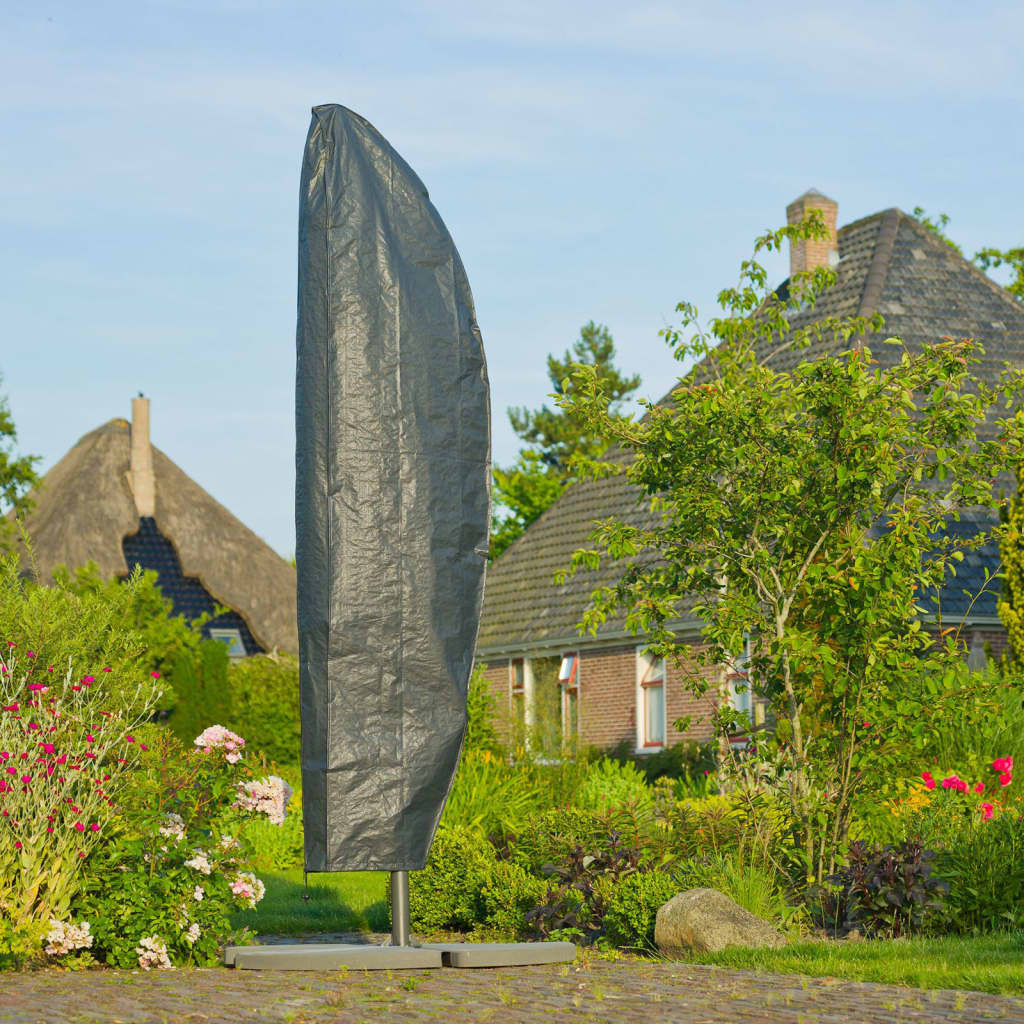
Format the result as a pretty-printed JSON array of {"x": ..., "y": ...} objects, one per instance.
[
  {"x": 570, "y": 687},
  {"x": 645, "y": 665}
]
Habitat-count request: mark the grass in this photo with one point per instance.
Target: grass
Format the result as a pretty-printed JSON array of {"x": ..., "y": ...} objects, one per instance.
[
  {"x": 993, "y": 963},
  {"x": 352, "y": 901}
]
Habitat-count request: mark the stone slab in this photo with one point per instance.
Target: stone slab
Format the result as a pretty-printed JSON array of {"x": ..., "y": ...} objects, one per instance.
[
  {"x": 503, "y": 954},
  {"x": 301, "y": 956}
]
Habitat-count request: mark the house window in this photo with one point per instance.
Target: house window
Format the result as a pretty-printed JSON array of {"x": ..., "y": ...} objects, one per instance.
[
  {"x": 232, "y": 639},
  {"x": 738, "y": 680},
  {"x": 569, "y": 681},
  {"x": 517, "y": 679},
  {"x": 650, "y": 701}
]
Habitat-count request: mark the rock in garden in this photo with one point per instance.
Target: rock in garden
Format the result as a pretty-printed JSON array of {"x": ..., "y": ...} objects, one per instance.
[{"x": 705, "y": 921}]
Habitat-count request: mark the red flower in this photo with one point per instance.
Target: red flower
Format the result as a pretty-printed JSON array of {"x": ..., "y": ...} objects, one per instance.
[
  {"x": 979, "y": 787},
  {"x": 1005, "y": 779}
]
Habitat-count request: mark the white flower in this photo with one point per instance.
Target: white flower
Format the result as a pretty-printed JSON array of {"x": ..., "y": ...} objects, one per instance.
[
  {"x": 199, "y": 862},
  {"x": 228, "y": 843},
  {"x": 192, "y": 934},
  {"x": 64, "y": 937},
  {"x": 152, "y": 952},
  {"x": 198, "y": 893},
  {"x": 173, "y": 826},
  {"x": 267, "y": 796}
]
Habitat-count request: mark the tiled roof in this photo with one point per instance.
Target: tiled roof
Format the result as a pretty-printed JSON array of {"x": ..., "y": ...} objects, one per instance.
[{"x": 889, "y": 263}]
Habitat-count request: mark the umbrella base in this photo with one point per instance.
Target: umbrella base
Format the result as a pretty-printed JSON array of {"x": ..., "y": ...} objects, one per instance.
[{"x": 335, "y": 956}]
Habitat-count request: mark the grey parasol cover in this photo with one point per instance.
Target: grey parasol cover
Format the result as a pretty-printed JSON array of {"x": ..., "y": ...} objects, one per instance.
[{"x": 392, "y": 500}]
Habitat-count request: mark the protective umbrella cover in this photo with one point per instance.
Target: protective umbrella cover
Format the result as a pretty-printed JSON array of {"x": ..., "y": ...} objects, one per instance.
[{"x": 392, "y": 500}]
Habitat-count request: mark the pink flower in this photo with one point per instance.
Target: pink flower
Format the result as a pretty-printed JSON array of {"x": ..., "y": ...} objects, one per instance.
[
  {"x": 106, "y": 669},
  {"x": 87, "y": 679},
  {"x": 979, "y": 787},
  {"x": 30, "y": 654},
  {"x": 37, "y": 687},
  {"x": 48, "y": 748},
  {"x": 94, "y": 827},
  {"x": 865, "y": 725},
  {"x": 155, "y": 675},
  {"x": 17, "y": 843},
  {"x": 79, "y": 826},
  {"x": 1003, "y": 764},
  {"x": 950, "y": 782},
  {"x": 1005, "y": 779},
  {"x": 986, "y": 812}
]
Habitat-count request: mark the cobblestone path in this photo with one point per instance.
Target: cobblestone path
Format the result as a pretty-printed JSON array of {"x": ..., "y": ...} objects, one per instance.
[{"x": 596, "y": 992}]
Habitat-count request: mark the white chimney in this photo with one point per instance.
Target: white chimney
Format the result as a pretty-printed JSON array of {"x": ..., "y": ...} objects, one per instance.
[{"x": 140, "y": 477}]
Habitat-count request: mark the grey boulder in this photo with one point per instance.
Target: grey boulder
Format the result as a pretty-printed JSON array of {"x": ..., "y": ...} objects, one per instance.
[{"x": 705, "y": 921}]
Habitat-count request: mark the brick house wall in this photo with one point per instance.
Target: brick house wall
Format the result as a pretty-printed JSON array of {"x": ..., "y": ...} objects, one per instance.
[{"x": 608, "y": 698}]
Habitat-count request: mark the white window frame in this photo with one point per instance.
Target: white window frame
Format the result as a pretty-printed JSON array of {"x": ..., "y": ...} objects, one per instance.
[
  {"x": 644, "y": 664},
  {"x": 567, "y": 684},
  {"x": 230, "y": 636}
]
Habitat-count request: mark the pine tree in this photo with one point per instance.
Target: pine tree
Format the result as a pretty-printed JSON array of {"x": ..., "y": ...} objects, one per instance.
[{"x": 523, "y": 491}]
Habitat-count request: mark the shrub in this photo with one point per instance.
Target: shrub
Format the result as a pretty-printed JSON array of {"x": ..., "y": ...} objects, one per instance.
[
  {"x": 682, "y": 761},
  {"x": 508, "y": 894},
  {"x": 552, "y": 835},
  {"x": 161, "y": 895},
  {"x": 200, "y": 678},
  {"x": 889, "y": 890},
  {"x": 60, "y": 626},
  {"x": 575, "y": 905},
  {"x": 163, "y": 636},
  {"x": 633, "y": 904},
  {"x": 66, "y": 746},
  {"x": 18, "y": 943},
  {"x": 610, "y": 784},
  {"x": 446, "y": 895},
  {"x": 263, "y": 705}
]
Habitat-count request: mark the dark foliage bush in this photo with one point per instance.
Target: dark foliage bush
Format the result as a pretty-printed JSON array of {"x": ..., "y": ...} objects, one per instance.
[
  {"x": 888, "y": 890},
  {"x": 576, "y": 899}
]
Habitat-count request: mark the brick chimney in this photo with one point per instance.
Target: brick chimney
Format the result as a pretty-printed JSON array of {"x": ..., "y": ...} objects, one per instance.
[
  {"x": 140, "y": 476},
  {"x": 813, "y": 253}
]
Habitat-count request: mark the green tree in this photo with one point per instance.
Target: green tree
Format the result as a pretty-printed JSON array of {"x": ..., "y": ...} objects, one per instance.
[
  {"x": 17, "y": 478},
  {"x": 1011, "y": 598},
  {"x": 165, "y": 638},
  {"x": 804, "y": 512},
  {"x": 541, "y": 472}
]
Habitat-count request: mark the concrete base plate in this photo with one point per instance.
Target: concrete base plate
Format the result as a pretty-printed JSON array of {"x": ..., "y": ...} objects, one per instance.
[
  {"x": 303, "y": 956},
  {"x": 502, "y": 954}
]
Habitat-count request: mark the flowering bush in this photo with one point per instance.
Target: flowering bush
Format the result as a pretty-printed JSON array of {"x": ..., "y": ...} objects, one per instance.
[
  {"x": 66, "y": 752},
  {"x": 163, "y": 893}
]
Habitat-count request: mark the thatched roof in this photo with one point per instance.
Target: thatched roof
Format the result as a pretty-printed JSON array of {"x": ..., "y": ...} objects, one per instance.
[{"x": 85, "y": 508}]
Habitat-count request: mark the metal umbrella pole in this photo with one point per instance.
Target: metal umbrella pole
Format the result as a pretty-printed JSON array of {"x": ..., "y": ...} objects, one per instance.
[{"x": 400, "y": 908}]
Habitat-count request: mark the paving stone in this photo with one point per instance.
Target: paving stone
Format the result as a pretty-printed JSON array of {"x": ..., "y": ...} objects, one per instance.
[{"x": 588, "y": 992}]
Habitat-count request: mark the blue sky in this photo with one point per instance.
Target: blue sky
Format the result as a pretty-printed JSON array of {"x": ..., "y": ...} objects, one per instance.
[{"x": 592, "y": 160}]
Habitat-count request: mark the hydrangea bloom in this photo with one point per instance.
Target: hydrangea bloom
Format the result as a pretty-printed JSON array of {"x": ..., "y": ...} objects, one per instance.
[
  {"x": 267, "y": 796},
  {"x": 248, "y": 889},
  {"x": 152, "y": 952},
  {"x": 216, "y": 737},
  {"x": 65, "y": 936},
  {"x": 199, "y": 862}
]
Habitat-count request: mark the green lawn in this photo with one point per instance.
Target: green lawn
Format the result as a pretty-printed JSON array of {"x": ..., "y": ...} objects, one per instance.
[
  {"x": 352, "y": 901},
  {"x": 994, "y": 963}
]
